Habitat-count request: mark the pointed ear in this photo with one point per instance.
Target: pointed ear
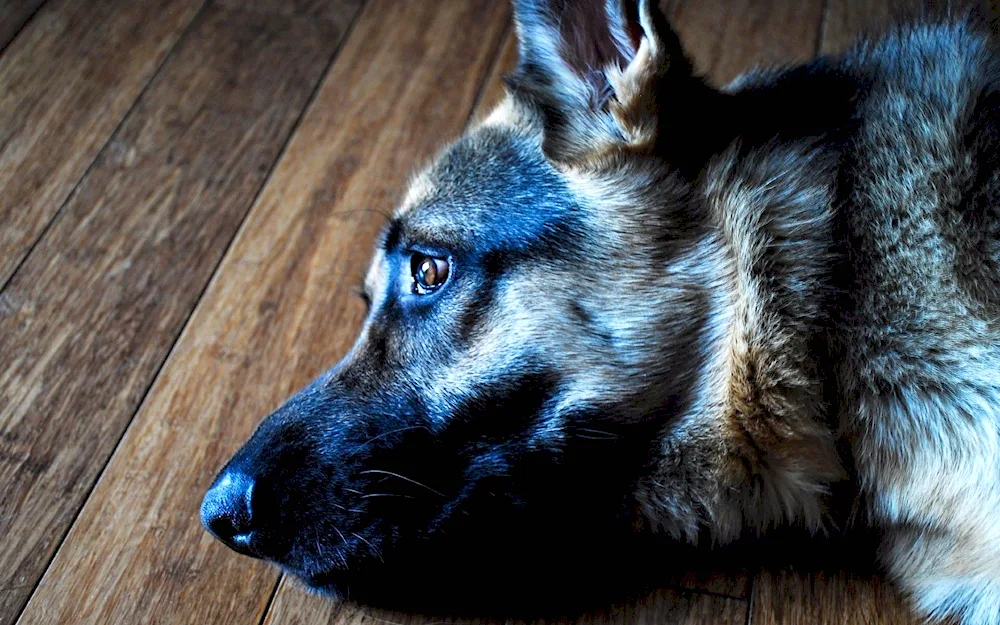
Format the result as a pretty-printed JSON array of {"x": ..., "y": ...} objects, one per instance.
[{"x": 595, "y": 69}]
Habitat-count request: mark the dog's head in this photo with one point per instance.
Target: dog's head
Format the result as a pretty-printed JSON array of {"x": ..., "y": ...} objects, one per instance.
[{"x": 535, "y": 314}]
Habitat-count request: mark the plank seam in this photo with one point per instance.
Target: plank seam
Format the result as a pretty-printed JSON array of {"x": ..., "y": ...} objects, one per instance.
[
  {"x": 750, "y": 597},
  {"x": 490, "y": 71},
  {"x": 687, "y": 590},
  {"x": 270, "y": 600},
  {"x": 104, "y": 148},
  {"x": 41, "y": 236},
  {"x": 20, "y": 28},
  {"x": 821, "y": 32},
  {"x": 212, "y": 276}
]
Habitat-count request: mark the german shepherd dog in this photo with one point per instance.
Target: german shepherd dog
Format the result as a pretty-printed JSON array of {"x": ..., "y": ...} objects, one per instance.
[{"x": 630, "y": 309}]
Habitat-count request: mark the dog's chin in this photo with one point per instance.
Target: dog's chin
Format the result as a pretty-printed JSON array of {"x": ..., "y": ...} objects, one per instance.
[
  {"x": 334, "y": 578},
  {"x": 485, "y": 581},
  {"x": 487, "y": 591},
  {"x": 393, "y": 588},
  {"x": 333, "y": 583}
]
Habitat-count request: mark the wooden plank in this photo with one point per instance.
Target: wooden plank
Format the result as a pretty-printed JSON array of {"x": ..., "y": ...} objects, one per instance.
[
  {"x": 494, "y": 88},
  {"x": 787, "y": 598},
  {"x": 294, "y": 606},
  {"x": 317, "y": 9},
  {"x": 726, "y": 38},
  {"x": 66, "y": 83},
  {"x": 846, "y": 19},
  {"x": 279, "y": 312},
  {"x": 701, "y": 32},
  {"x": 13, "y": 15},
  {"x": 89, "y": 319}
]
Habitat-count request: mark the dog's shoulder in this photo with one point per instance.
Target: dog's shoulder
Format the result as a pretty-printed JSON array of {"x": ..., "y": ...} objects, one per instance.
[{"x": 861, "y": 185}]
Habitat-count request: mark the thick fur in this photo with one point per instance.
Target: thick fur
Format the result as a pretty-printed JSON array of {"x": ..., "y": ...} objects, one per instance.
[{"x": 672, "y": 311}]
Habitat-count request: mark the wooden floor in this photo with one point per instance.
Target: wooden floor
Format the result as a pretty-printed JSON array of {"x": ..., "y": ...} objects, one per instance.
[{"x": 180, "y": 185}]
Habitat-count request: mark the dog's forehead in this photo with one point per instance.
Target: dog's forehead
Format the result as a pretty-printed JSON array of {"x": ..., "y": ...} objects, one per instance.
[{"x": 494, "y": 182}]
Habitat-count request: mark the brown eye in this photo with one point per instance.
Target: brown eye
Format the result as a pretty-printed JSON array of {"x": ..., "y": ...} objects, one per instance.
[{"x": 429, "y": 273}]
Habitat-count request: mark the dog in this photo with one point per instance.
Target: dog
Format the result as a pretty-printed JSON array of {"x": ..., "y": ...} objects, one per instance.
[{"x": 628, "y": 308}]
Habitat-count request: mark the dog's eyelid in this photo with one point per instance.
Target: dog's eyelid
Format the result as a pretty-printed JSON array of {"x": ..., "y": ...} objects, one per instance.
[{"x": 427, "y": 249}]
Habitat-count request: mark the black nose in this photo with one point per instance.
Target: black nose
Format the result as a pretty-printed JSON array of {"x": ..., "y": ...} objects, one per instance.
[{"x": 227, "y": 512}]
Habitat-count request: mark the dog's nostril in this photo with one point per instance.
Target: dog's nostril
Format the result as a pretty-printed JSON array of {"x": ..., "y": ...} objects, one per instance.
[{"x": 227, "y": 511}]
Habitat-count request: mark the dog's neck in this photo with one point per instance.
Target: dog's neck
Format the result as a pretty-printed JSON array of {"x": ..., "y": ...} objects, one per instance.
[{"x": 760, "y": 418}]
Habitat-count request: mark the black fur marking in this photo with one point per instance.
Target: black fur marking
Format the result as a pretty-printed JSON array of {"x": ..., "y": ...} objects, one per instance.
[
  {"x": 393, "y": 233},
  {"x": 476, "y": 311}
]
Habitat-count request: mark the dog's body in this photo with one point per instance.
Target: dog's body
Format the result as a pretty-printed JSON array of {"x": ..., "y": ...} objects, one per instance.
[{"x": 672, "y": 310}]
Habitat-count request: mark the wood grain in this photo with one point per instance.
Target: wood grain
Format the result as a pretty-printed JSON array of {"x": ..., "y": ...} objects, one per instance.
[
  {"x": 293, "y": 606},
  {"x": 726, "y": 38},
  {"x": 786, "y": 598},
  {"x": 504, "y": 64},
  {"x": 847, "y": 19},
  {"x": 279, "y": 311},
  {"x": 13, "y": 15},
  {"x": 89, "y": 319},
  {"x": 317, "y": 9},
  {"x": 701, "y": 31},
  {"x": 66, "y": 83}
]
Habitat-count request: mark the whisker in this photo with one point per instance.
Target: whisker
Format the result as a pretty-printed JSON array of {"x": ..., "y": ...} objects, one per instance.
[
  {"x": 353, "y": 491},
  {"x": 339, "y": 533},
  {"x": 601, "y": 432},
  {"x": 383, "y": 435},
  {"x": 403, "y": 477},
  {"x": 319, "y": 546},
  {"x": 386, "y": 495},
  {"x": 374, "y": 550}
]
